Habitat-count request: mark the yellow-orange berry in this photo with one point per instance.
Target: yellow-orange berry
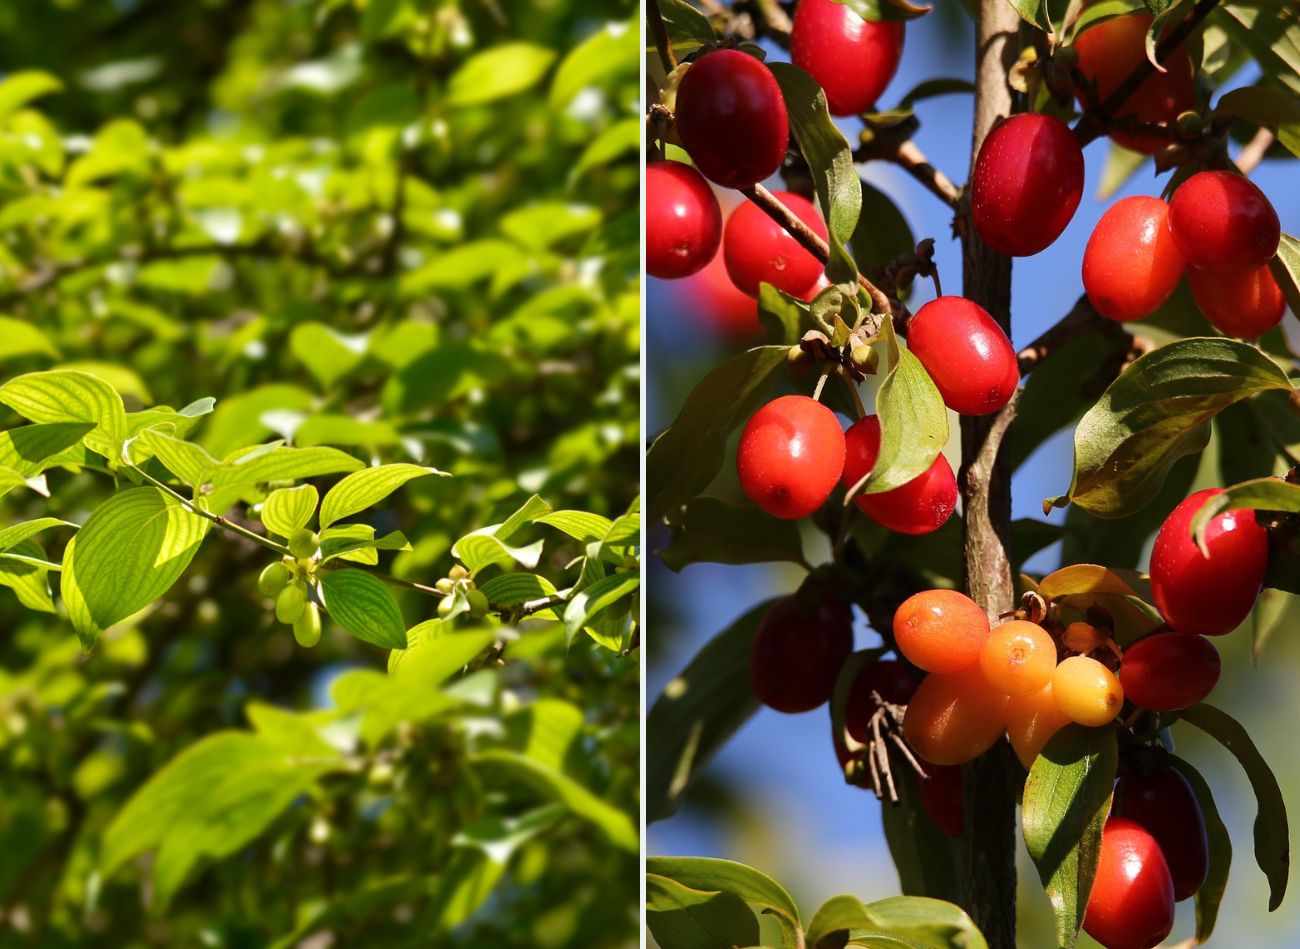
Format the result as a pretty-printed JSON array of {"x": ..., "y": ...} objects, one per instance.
[
  {"x": 1086, "y": 691},
  {"x": 954, "y": 718},
  {"x": 1031, "y": 722},
  {"x": 940, "y": 630},
  {"x": 1018, "y": 658}
]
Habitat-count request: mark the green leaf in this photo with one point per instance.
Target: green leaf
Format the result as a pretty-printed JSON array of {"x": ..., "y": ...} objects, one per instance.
[
  {"x": 1272, "y": 840},
  {"x": 785, "y": 318},
  {"x": 368, "y": 487},
  {"x": 683, "y": 918},
  {"x": 269, "y": 463},
  {"x": 364, "y": 606},
  {"x": 928, "y": 861},
  {"x": 65, "y": 396},
  {"x": 23, "y": 570},
  {"x": 1067, "y": 797},
  {"x": 887, "y": 9},
  {"x": 1210, "y": 895},
  {"x": 1286, "y": 270},
  {"x": 580, "y": 525},
  {"x": 22, "y": 87},
  {"x": 617, "y": 826},
  {"x": 1267, "y": 107},
  {"x": 601, "y": 59},
  {"x": 839, "y": 188},
  {"x": 12, "y": 536},
  {"x": 498, "y": 72},
  {"x": 882, "y": 232},
  {"x": 185, "y": 460},
  {"x": 20, "y": 338},
  {"x": 698, "y": 711},
  {"x": 285, "y": 510},
  {"x": 910, "y": 921},
  {"x": 1271, "y": 32},
  {"x": 709, "y": 530},
  {"x": 30, "y": 449},
  {"x": 1033, "y": 12},
  {"x": 687, "y": 27},
  {"x": 1259, "y": 494},
  {"x": 128, "y": 553},
  {"x": 327, "y": 354},
  {"x": 1155, "y": 413},
  {"x": 511, "y": 589},
  {"x": 684, "y": 459},
  {"x": 586, "y": 605},
  {"x": 727, "y": 876},
  {"x": 354, "y": 542}
]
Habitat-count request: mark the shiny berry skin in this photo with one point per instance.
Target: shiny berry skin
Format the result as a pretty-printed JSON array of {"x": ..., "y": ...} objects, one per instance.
[
  {"x": 1131, "y": 264},
  {"x": 941, "y": 798},
  {"x": 790, "y": 457},
  {"x": 887, "y": 677},
  {"x": 1132, "y": 901},
  {"x": 307, "y": 627},
  {"x": 1223, "y": 223},
  {"x": 1027, "y": 183},
  {"x": 1165, "y": 805},
  {"x": 1032, "y": 720},
  {"x": 731, "y": 118},
  {"x": 1018, "y": 658},
  {"x": 920, "y": 506},
  {"x": 852, "y": 59},
  {"x": 940, "y": 630},
  {"x": 966, "y": 353},
  {"x": 758, "y": 250},
  {"x": 796, "y": 655},
  {"x": 712, "y": 298},
  {"x": 1086, "y": 691},
  {"x": 1244, "y": 305},
  {"x": 683, "y": 228},
  {"x": 1210, "y": 595},
  {"x": 1169, "y": 671},
  {"x": 954, "y": 718},
  {"x": 1109, "y": 52}
]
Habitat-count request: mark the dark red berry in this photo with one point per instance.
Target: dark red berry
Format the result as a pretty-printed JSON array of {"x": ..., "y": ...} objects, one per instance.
[
  {"x": 851, "y": 58},
  {"x": 1168, "y": 671},
  {"x": 683, "y": 223},
  {"x": 1027, "y": 183},
  {"x": 1131, "y": 263},
  {"x": 1165, "y": 805},
  {"x": 889, "y": 679},
  {"x": 922, "y": 505},
  {"x": 731, "y": 118},
  {"x": 941, "y": 798},
  {"x": 1246, "y": 304},
  {"x": 1196, "y": 594},
  {"x": 966, "y": 353},
  {"x": 1132, "y": 901},
  {"x": 758, "y": 250},
  {"x": 797, "y": 654},
  {"x": 791, "y": 456},
  {"x": 1222, "y": 222}
]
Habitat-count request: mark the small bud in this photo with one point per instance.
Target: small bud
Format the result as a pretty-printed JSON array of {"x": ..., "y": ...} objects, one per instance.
[
  {"x": 445, "y": 586},
  {"x": 458, "y": 573},
  {"x": 1190, "y": 125}
]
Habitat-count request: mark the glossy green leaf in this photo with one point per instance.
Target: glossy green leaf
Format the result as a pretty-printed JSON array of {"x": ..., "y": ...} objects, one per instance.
[
  {"x": 687, "y": 27},
  {"x": 680, "y": 917},
  {"x": 1260, "y": 494},
  {"x": 1267, "y": 107},
  {"x": 915, "y": 922},
  {"x": 30, "y": 449},
  {"x": 886, "y": 9},
  {"x": 270, "y": 463},
  {"x": 1210, "y": 895},
  {"x": 367, "y": 487},
  {"x": 65, "y": 396},
  {"x": 23, "y": 569},
  {"x": 185, "y": 460},
  {"x": 727, "y": 876},
  {"x": 709, "y": 530},
  {"x": 1033, "y": 12},
  {"x": 364, "y": 606},
  {"x": 512, "y": 589},
  {"x": 498, "y": 72},
  {"x": 580, "y": 525},
  {"x": 285, "y": 510},
  {"x": 17, "y": 533}
]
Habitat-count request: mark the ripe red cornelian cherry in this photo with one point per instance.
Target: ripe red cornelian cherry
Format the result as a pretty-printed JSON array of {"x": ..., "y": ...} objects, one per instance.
[
  {"x": 731, "y": 118},
  {"x": 1208, "y": 595},
  {"x": 1169, "y": 671},
  {"x": 1245, "y": 305},
  {"x": 966, "y": 353},
  {"x": 797, "y": 654},
  {"x": 758, "y": 250},
  {"x": 920, "y": 506},
  {"x": 941, "y": 798},
  {"x": 1132, "y": 901},
  {"x": 852, "y": 59},
  {"x": 683, "y": 227},
  {"x": 1223, "y": 223},
  {"x": 940, "y": 630},
  {"x": 711, "y": 297},
  {"x": 954, "y": 718},
  {"x": 1131, "y": 263},
  {"x": 1164, "y": 804},
  {"x": 790, "y": 457},
  {"x": 1027, "y": 183},
  {"x": 1110, "y": 51}
]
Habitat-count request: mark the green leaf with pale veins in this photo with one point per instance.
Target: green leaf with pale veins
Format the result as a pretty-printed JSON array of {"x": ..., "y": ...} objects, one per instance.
[
  {"x": 66, "y": 396},
  {"x": 274, "y": 462},
  {"x": 364, "y": 606},
  {"x": 285, "y": 510},
  {"x": 368, "y": 487},
  {"x": 185, "y": 460}
]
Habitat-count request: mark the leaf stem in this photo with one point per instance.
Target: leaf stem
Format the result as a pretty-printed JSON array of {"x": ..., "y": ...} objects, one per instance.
[{"x": 217, "y": 519}]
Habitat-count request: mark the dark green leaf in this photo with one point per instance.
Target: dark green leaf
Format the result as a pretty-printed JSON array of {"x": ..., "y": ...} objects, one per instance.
[
  {"x": 1261, "y": 494},
  {"x": 727, "y": 876},
  {"x": 1267, "y": 107},
  {"x": 886, "y": 9},
  {"x": 928, "y": 861},
  {"x": 687, "y": 27},
  {"x": 784, "y": 318},
  {"x": 1210, "y": 895},
  {"x": 1286, "y": 270},
  {"x": 709, "y": 530},
  {"x": 364, "y": 606},
  {"x": 882, "y": 232},
  {"x": 682, "y": 918}
]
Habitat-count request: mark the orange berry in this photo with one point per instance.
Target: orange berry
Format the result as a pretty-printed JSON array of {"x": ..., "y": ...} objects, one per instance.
[
  {"x": 940, "y": 630},
  {"x": 1032, "y": 720},
  {"x": 1018, "y": 658},
  {"x": 954, "y": 718},
  {"x": 1086, "y": 691}
]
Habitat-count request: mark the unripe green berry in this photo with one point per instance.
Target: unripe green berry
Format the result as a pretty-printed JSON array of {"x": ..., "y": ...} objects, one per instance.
[
  {"x": 306, "y": 628},
  {"x": 303, "y": 543},
  {"x": 290, "y": 603},
  {"x": 478, "y": 603},
  {"x": 273, "y": 579},
  {"x": 445, "y": 586}
]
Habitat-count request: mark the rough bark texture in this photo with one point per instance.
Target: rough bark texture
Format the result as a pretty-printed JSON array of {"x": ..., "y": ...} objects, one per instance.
[{"x": 985, "y": 480}]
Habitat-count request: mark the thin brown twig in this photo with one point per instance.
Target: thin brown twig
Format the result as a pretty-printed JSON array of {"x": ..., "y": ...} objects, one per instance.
[
  {"x": 1081, "y": 318},
  {"x": 909, "y": 157},
  {"x": 1253, "y": 152}
]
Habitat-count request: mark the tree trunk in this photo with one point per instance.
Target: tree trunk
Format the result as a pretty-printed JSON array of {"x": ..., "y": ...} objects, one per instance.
[{"x": 985, "y": 481}]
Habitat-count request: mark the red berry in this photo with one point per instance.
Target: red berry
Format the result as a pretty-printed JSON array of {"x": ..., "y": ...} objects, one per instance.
[
  {"x": 1027, "y": 183},
  {"x": 1222, "y": 222},
  {"x": 712, "y": 297},
  {"x": 1165, "y": 805},
  {"x": 791, "y": 456},
  {"x": 1132, "y": 900},
  {"x": 1110, "y": 51},
  {"x": 922, "y": 505},
  {"x": 759, "y": 250},
  {"x": 683, "y": 221},
  {"x": 851, "y": 58},
  {"x": 966, "y": 353},
  {"x": 731, "y": 118},
  {"x": 941, "y": 798},
  {"x": 940, "y": 630},
  {"x": 1168, "y": 671},
  {"x": 1131, "y": 264},
  {"x": 1245, "y": 304},
  {"x": 888, "y": 678},
  {"x": 1210, "y": 595},
  {"x": 796, "y": 655}
]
